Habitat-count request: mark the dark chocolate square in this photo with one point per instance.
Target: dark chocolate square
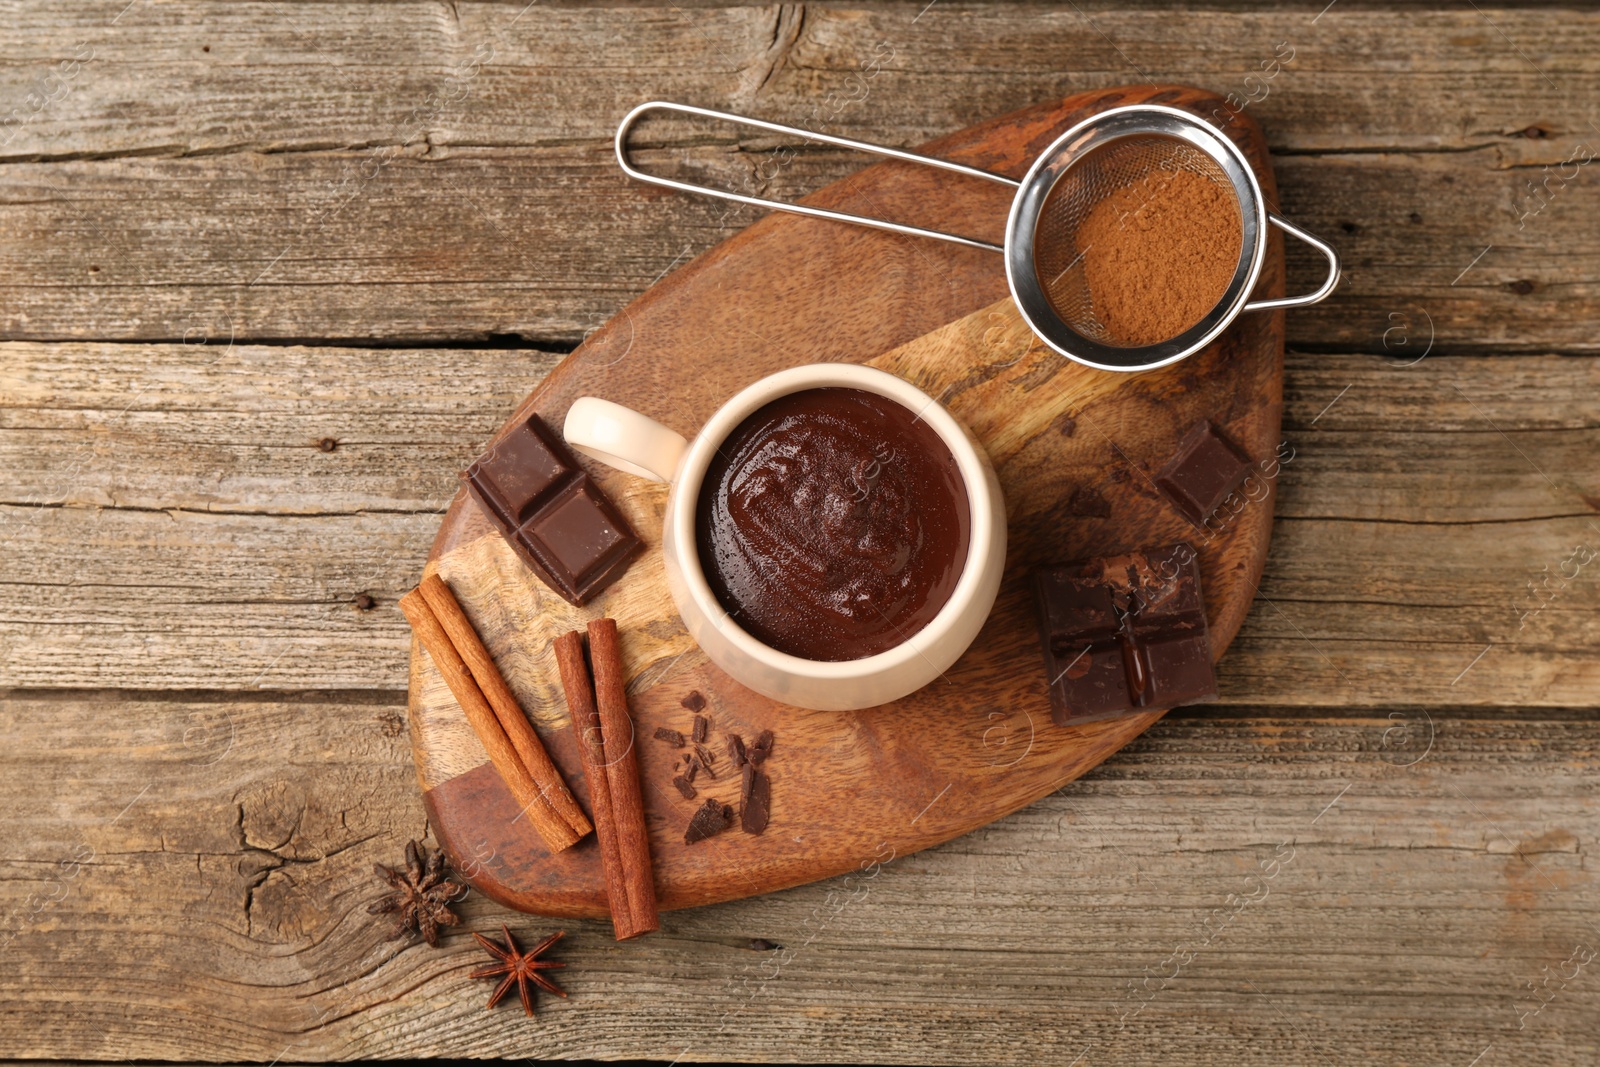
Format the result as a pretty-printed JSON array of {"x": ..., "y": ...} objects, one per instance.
[
  {"x": 1123, "y": 634},
  {"x": 578, "y": 529},
  {"x": 1203, "y": 471},
  {"x": 1178, "y": 667},
  {"x": 1090, "y": 671},
  {"x": 520, "y": 470},
  {"x": 1071, "y": 605},
  {"x": 549, "y": 510}
]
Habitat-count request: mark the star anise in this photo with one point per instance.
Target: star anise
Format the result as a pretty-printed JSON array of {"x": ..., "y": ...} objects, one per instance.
[
  {"x": 422, "y": 894},
  {"x": 519, "y": 967}
]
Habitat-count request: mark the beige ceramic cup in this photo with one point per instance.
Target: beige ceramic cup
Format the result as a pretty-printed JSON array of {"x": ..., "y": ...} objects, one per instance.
[{"x": 639, "y": 445}]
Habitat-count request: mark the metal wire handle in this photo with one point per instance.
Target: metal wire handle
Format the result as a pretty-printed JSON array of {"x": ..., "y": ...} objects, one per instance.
[
  {"x": 1315, "y": 242},
  {"x": 803, "y": 209}
]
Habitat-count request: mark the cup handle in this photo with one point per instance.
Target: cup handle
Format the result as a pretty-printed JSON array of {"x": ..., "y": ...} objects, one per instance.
[{"x": 624, "y": 439}]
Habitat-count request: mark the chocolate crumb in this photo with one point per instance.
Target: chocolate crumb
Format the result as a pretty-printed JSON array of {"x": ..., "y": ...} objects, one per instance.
[
  {"x": 736, "y": 750},
  {"x": 761, "y": 944},
  {"x": 712, "y": 818},
  {"x": 364, "y": 602},
  {"x": 755, "y": 800},
  {"x": 706, "y": 760},
  {"x": 671, "y": 737},
  {"x": 701, "y": 729},
  {"x": 691, "y": 767},
  {"x": 757, "y": 753},
  {"x": 327, "y": 444},
  {"x": 694, "y": 701},
  {"x": 689, "y": 792}
]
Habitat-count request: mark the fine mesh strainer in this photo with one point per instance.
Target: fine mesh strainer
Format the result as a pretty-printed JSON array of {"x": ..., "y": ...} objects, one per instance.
[
  {"x": 1044, "y": 263},
  {"x": 1141, "y": 163}
]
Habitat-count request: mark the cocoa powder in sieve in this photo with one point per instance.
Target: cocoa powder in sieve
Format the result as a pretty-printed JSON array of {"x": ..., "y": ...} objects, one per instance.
[{"x": 1158, "y": 254}]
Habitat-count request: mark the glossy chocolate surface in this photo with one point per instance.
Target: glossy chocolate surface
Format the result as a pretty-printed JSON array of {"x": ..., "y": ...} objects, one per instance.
[{"x": 833, "y": 524}]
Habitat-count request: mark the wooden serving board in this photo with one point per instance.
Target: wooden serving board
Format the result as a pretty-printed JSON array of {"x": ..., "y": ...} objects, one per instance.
[{"x": 1075, "y": 450}]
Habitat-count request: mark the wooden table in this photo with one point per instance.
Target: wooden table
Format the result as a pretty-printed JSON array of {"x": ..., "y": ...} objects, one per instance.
[{"x": 270, "y": 274}]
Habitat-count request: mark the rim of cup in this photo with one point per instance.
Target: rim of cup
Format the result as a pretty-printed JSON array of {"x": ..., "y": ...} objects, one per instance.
[{"x": 963, "y": 448}]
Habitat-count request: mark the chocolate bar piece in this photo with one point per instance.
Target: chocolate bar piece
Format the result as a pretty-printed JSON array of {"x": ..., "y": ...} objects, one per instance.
[
  {"x": 551, "y": 512},
  {"x": 1124, "y": 633},
  {"x": 1204, "y": 470}
]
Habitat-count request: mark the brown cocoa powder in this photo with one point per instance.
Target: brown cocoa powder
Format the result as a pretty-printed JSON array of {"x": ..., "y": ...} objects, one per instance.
[{"x": 1158, "y": 254}]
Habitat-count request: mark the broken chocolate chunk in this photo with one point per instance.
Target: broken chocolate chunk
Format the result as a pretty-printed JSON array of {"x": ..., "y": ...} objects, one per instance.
[
  {"x": 710, "y": 819},
  {"x": 1204, "y": 470},
  {"x": 758, "y": 752},
  {"x": 694, "y": 701},
  {"x": 671, "y": 737},
  {"x": 551, "y": 512},
  {"x": 1123, "y": 634},
  {"x": 736, "y": 750},
  {"x": 706, "y": 760},
  {"x": 755, "y": 800},
  {"x": 701, "y": 729},
  {"x": 685, "y": 787}
]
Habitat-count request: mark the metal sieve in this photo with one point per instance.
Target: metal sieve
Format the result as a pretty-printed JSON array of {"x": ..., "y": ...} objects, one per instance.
[{"x": 1044, "y": 263}]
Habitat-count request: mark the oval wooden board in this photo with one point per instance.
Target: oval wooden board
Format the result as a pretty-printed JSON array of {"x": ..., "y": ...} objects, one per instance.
[{"x": 1075, "y": 450}]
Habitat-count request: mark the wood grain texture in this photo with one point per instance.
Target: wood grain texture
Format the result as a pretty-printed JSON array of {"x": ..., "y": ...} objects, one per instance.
[
  {"x": 221, "y": 916},
  {"x": 478, "y": 243},
  {"x": 1414, "y": 513},
  {"x": 323, "y": 174},
  {"x": 301, "y": 75},
  {"x": 207, "y": 147},
  {"x": 975, "y": 743}
]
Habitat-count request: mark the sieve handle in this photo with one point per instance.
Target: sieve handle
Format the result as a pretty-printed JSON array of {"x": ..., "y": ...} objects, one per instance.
[
  {"x": 1321, "y": 246},
  {"x": 802, "y": 209}
]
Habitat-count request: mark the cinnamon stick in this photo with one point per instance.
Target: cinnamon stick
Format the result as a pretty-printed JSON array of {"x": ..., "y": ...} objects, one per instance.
[
  {"x": 555, "y": 830},
  {"x": 622, "y": 772},
  {"x": 579, "y": 688},
  {"x": 503, "y": 702}
]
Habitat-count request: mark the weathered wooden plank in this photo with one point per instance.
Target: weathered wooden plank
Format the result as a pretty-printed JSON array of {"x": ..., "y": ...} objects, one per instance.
[
  {"x": 540, "y": 235},
  {"x": 549, "y": 243},
  {"x": 250, "y": 429},
  {"x": 289, "y": 74},
  {"x": 191, "y": 527},
  {"x": 1237, "y": 886}
]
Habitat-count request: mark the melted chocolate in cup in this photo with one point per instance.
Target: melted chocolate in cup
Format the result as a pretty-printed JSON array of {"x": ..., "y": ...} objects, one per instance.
[{"x": 833, "y": 524}]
